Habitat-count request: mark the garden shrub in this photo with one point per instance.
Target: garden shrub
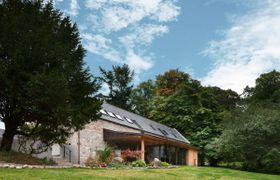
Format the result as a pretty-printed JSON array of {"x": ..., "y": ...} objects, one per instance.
[
  {"x": 101, "y": 159},
  {"x": 139, "y": 163},
  {"x": 130, "y": 155},
  {"x": 93, "y": 162},
  {"x": 105, "y": 156},
  {"x": 271, "y": 161},
  {"x": 164, "y": 164}
]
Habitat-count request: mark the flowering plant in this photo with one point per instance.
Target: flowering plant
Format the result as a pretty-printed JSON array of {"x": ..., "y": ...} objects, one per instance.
[{"x": 130, "y": 155}]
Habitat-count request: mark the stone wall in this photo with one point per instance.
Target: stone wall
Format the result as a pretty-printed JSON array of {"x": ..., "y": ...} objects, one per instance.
[
  {"x": 15, "y": 147},
  {"x": 91, "y": 139}
]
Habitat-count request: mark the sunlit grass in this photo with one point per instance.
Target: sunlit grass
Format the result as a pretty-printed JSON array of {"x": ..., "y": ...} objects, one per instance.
[{"x": 176, "y": 173}]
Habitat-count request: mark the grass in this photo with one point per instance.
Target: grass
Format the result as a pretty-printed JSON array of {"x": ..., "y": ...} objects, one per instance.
[
  {"x": 183, "y": 172},
  {"x": 20, "y": 158}
]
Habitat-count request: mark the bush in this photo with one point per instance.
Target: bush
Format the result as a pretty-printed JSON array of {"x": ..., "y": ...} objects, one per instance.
[
  {"x": 164, "y": 164},
  {"x": 101, "y": 159},
  {"x": 130, "y": 155},
  {"x": 271, "y": 161},
  {"x": 92, "y": 162},
  {"x": 138, "y": 163},
  {"x": 105, "y": 156}
]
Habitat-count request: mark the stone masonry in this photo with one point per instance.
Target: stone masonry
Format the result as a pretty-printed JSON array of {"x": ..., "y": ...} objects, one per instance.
[{"x": 91, "y": 139}]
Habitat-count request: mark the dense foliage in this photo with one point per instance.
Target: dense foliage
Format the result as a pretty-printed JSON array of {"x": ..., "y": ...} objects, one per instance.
[
  {"x": 177, "y": 100},
  {"x": 141, "y": 97},
  {"x": 251, "y": 134},
  {"x": 119, "y": 82},
  {"x": 184, "y": 110},
  {"x": 46, "y": 92},
  {"x": 139, "y": 163},
  {"x": 225, "y": 126}
]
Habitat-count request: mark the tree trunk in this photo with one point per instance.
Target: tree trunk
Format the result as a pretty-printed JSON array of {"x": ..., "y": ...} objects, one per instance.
[{"x": 8, "y": 137}]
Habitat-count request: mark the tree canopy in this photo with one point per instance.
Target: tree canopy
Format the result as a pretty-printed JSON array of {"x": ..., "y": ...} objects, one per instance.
[
  {"x": 267, "y": 88},
  {"x": 46, "y": 92},
  {"x": 119, "y": 82},
  {"x": 184, "y": 110},
  {"x": 251, "y": 134},
  {"x": 141, "y": 97},
  {"x": 169, "y": 82}
]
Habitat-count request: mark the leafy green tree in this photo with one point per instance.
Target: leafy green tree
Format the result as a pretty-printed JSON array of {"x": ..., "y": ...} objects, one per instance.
[
  {"x": 119, "y": 81},
  {"x": 183, "y": 110},
  {"x": 251, "y": 134},
  {"x": 46, "y": 93},
  {"x": 218, "y": 99},
  {"x": 142, "y": 96},
  {"x": 170, "y": 81},
  {"x": 250, "y": 137},
  {"x": 271, "y": 161},
  {"x": 267, "y": 88}
]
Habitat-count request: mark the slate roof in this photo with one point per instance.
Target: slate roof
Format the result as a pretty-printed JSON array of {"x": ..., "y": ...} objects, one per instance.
[
  {"x": 138, "y": 122},
  {"x": 141, "y": 123}
]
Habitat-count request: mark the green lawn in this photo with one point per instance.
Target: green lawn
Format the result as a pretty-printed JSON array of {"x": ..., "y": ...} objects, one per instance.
[{"x": 177, "y": 173}]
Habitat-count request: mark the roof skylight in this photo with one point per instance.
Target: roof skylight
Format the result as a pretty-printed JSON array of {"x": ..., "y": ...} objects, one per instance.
[
  {"x": 129, "y": 120},
  {"x": 111, "y": 114},
  {"x": 164, "y": 132},
  {"x": 138, "y": 125},
  {"x": 161, "y": 131},
  {"x": 103, "y": 111},
  {"x": 153, "y": 127},
  {"x": 174, "y": 135},
  {"x": 119, "y": 117}
]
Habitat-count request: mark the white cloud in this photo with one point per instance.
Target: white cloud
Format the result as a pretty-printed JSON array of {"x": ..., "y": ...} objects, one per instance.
[
  {"x": 250, "y": 47},
  {"x": 166, "y": 11},
  {"x": 143, "y": 35},
  {"x": 119, "y": 14},
  {"x": 122, "y": 30},
  {"x": 74, "y": 8},
  {"x": 100, "y": 45},
  {"x": 138, "y": 63},
  {"x": 105, "y": 89},
  {"x": 94, "y": 4}
]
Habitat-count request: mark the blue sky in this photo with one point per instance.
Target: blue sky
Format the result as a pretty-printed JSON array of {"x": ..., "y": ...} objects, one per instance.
[{"x": 225, "y": 43}]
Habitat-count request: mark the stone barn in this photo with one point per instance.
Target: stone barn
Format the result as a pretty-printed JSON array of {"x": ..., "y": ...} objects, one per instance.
[{"x": 124, "y": 130}]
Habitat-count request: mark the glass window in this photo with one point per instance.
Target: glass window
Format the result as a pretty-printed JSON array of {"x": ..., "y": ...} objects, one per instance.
[
  {"x": 129, "y": 120},
  {"x": 103, "y": 112},
  {"x": 111, "y": 114},
  {"x": 119, "y": 117}
]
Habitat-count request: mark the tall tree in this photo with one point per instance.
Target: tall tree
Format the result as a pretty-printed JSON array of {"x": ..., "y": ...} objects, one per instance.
[
  {"x": 252, "y": 137},
  {"x": 119, "y": 81},
  {"x": 251, "y": 134},
  {"x": 184, "y": 111},
  {"x": 142, "y": 96},
  {"x": 218, "y": 99},
  {"x": 267, "y": 88},
  {"x": 170, "y": 81},
  {"x": 45, "y": 90}
]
